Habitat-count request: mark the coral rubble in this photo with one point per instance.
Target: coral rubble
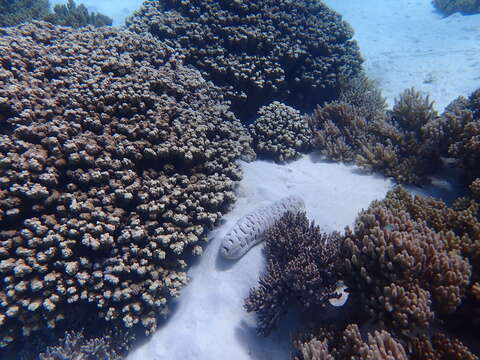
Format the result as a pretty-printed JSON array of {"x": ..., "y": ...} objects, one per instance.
[
  {"x": 296, "y": 52},
  {"x": 114, "y": 160}
]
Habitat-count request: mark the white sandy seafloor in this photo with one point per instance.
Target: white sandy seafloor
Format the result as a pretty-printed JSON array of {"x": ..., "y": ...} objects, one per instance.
[
  {"x": 209, "y": 321},
  {"x": 405, "y": 43}
]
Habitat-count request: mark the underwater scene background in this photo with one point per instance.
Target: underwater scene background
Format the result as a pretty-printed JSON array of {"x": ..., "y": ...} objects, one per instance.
[{"x": 202, "y": 179}]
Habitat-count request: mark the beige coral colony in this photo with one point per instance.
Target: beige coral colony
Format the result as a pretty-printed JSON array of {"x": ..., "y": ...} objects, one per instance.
[{"x": 118, "y": 152}]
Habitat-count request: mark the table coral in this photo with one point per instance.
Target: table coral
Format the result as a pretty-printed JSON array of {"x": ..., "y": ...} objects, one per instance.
[
  {"x": 114, "y": 160},
  {"x": 296, "y": 52}
]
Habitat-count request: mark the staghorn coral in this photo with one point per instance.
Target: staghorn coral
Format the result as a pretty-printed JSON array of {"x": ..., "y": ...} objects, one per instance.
[
  {"x": 302, "y": 264},
  {"x": 402, "y": 269},
  {"x": 280, "y": 132},
  {"x": 74, "y": 346},
  {"x": 115, "y": 158},
  {"x": 250, "y": 229},
  {"x": 448, "y": 7},
  {"x": 295, "y": 52},
  {"x": 394, "y": 144},
  {"x": 76, "y": 16}
]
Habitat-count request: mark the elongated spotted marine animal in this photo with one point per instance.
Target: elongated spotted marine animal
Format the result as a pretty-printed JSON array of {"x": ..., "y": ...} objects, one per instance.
[{"x": 249, "y": 230}]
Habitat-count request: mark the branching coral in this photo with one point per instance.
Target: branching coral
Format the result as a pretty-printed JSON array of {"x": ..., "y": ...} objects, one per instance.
[
  {"x": 364, "y": 95},
  {"x": 459, "y": 226},
  {"x": 296, "y": 52},
  {"x": 114, "y": 160},
  {"x": 393, "y": 144},
  {"x": 457, "y": 134},
  {"x": 350, "y": 345},
  {"x": 15, "y": 12},
  {"x": 280, "y": 132},
  {"x": 75, "y": 346},
  {"x": 402, "y": 269},
  {"x": 302, "y": 264},
  {"x": 441, "y": 347},
  {"x": 76, "y": 16}
]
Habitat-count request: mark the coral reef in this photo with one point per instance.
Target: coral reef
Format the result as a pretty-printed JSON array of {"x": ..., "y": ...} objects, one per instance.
[
  {"x": 75, "y": 346},
  {"x": 250, "y": 229},
  {"x": 114, "y": 160},
  {"x": 280, "y": 132},
  {"x": 350, "y": 345},
  {"x": 457, "y": 132},
  {"x": 459, "y": 225},
  {"x": 76, "y": 16},
  {"x": 394, "y": 143},
  {"x": 441, "y": 347},
  {"x": 412, "y": 111},
  {"x": 402, "y": 269},
  {"x": 14, "y": 12},
  {"x": 466, "y": 7},
  {"x": 296, "y": 52},
  {"x": 302, "y": 268},
  {"x": 364, "y": 95}
]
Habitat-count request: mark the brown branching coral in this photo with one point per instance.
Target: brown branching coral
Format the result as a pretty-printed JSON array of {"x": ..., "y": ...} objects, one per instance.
[
  {"x": 296, "y": 52},
  {"x": 70, "y": 14},
  {"x": 411, "y": 111},
  {"x": 365, "y": 96},
  {"x": 457, "y": 132},
  {"x": 441, "y": 347},
  {"x": 402, "y": 269},
  {"x": 14, "y": 12},
  {"x": 392, "y": 143},
  {"x": 349, "y": 345},
  {"x": 302, "y": 264},
  {"x": 280, "y": 132},
  {"x": 458, "y": 225},
  {"x": 114, "y": 159}
]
